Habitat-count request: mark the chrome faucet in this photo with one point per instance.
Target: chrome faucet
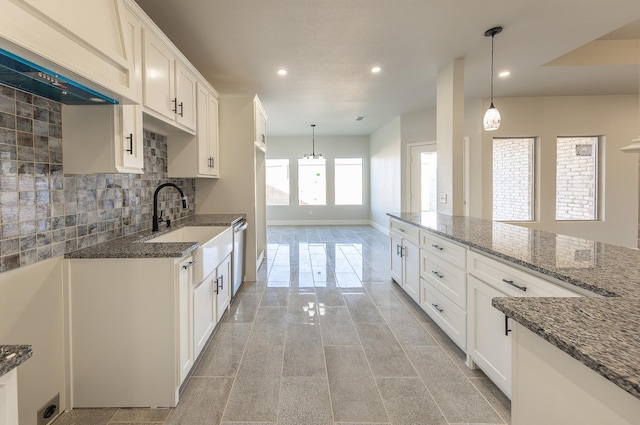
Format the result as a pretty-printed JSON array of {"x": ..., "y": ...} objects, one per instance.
[{"x": 155, "y": 227}]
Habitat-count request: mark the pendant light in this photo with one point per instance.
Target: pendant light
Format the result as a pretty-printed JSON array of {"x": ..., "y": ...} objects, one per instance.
[
  {"x": 313, "y": 154},
  {"x": 491, "y": 119}
]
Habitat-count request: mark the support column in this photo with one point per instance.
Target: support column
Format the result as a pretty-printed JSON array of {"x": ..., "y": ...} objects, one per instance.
[{"x": 449, "y": 131}]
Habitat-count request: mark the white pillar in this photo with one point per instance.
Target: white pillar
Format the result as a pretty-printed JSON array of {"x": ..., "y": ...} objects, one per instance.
[{"x": 449, "y": 131}]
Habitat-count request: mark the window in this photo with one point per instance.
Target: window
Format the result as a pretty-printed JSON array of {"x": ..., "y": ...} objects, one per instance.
[
  {"x": 348, "y": 181},
  {"x": 513, "y": 179},
  {"x": 576, "y": 178},
  {"x": 428, "y": 183},
  {"x": 277, "y": 176},
  {"x": 312, "y": 182}
]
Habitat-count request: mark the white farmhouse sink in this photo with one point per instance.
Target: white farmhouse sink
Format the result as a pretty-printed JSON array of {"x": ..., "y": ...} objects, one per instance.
[{"x": 216, "y": 242}]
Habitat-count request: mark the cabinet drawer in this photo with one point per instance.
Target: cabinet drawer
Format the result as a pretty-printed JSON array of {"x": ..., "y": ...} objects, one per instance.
[
  {"x": 512, "y": 281},
  {"x": 449, "y": 280},
  {"x": 407, "y": 230},
  {"x": 451, "y": 318},
  {"x": 444, "y": 249}
]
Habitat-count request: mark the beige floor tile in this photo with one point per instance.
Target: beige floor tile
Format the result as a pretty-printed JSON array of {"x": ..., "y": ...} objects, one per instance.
[
  {"x": 354, "y": 395},
  {"x": 223, "y": 354},
  {"x": 385, "y": 355},
  {"x": 202, "y": 402},
  {"x": 408, "y": 402},
  {"x": 304, "y": 401}
]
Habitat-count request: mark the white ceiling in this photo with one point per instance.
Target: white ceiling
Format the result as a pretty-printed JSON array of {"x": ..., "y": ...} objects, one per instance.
[{"x": 329, "y": 47}]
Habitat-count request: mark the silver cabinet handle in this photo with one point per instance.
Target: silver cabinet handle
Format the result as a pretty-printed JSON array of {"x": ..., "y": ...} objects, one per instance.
[
  {"x": 437, "y": 307},
  {"x": 438, "y": 247},
  {"x": 510, "y": 282},
  {"x": 130, "y": 139},
  {"x": 401, "y": 230},
  {"x": 190, "y": 264},
  {"x": 440, "y": 276}
]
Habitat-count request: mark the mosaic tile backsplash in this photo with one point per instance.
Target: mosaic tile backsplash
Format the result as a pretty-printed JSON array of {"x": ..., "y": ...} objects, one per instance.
[{"x": 45, "y": 213}]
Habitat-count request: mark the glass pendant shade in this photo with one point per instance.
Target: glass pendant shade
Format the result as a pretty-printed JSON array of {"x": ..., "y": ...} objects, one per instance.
[{"x": 491, "y": 119}]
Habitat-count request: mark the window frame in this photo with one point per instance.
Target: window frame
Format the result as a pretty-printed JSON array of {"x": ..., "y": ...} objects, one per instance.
[
  {"x": 267, "y": 160},
  {"x": 335, "y": 180},
  {"x": 534, "y": 169}
]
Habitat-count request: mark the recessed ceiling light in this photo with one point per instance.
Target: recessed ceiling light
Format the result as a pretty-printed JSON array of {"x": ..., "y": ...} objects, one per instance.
[
  {"x": 282, "y": 72},
  {"x": 376, "y": 69},
  {"x": 504, "y": 74}
]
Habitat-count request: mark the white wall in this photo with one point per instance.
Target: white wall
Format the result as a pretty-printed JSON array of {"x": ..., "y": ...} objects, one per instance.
[
  {"x": 415, "y": 127},
  {"x": 615, "y": 118},
  {"x": 331, "y": 147},
  {"x": 385, "y": 152},
  {"x": 32, "y": 313}
]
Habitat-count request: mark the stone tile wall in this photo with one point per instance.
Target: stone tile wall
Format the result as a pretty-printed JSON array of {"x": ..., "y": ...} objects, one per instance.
[{"x": 45, "y": 213}]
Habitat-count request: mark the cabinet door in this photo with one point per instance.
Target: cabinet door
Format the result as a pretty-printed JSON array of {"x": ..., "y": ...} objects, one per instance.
[
  {"x": 185, "y": 318},
  {"x": 224, "y": 286},
  {"x": 158, "y": 77},
  {"x": 204, "y": 314},
  {"x": 185, "y": 95},
  {"x": 411, "y": 272},
  {"x": 396, "y": 258},
  {"x": 213, "y": 136},
  {"x": 9, "y": 398},
  {"x": 132, "y": 149},
  {"x": 489, "y": 343}
]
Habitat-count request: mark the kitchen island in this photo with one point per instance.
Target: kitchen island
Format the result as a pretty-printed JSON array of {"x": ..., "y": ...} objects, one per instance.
[{"x": 598, "y": 334}]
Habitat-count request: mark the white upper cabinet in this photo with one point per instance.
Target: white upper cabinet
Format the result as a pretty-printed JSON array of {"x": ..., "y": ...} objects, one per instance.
[
  {"x": 185, "y": 103},
  {"x": 102, "y": 139},
  {"x": 108, "y": 138},
  {"x": 260, "y": 125},
  {"x": 169, "y": 87},
  {"x": 207, "y": 136},
  {"x": 198, "y": 156},
  {"x": 86, "y": 38}
]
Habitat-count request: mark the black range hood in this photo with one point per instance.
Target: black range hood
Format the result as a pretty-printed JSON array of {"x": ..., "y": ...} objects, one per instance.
[{"x": 27, "y": 76}]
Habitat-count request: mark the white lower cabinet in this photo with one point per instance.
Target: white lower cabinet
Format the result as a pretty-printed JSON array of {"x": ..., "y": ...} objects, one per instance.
[
  {"x": 204, "y": 311},
  {"x": 130, "y": 331},
  {"x": 211, "y": 297},
  {"x": 490, "y": 335},
  {"x": 405, "y": 258},
  {"x": 9, "y": 398},
  {"x": 223, "y": 293},
  {"x": 186, "y": 356},
  {"x": 489, "y": 340},
  {"x": 451, "y": 318}
]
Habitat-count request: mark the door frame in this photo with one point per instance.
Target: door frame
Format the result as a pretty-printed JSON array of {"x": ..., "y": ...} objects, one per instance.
[{"x": 408, "y": 168}]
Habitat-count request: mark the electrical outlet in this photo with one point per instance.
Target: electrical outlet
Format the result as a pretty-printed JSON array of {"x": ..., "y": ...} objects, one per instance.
[
  {"x": 50, "y": 411},
  {"x": 443, "y": 198}
]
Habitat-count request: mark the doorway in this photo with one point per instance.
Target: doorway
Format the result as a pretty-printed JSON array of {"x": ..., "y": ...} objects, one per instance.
[{"x": 423, "y": 188}]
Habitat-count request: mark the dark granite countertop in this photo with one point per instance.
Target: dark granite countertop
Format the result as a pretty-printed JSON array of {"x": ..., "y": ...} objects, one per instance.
[
  {"x": 12, "y": 356},
  {"x": 602, "y": 332},
  {"x": 132, "y": 246}
]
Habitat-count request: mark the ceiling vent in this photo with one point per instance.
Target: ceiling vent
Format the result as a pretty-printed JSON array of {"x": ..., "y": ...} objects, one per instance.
[{"x": 360, "y": 118}]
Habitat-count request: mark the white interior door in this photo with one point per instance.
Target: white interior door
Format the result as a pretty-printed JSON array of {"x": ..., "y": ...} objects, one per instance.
[{"x": 423, "y": 177}]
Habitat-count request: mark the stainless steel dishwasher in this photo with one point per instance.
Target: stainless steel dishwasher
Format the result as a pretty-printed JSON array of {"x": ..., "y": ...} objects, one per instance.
[{"x": 237, "y": 260}]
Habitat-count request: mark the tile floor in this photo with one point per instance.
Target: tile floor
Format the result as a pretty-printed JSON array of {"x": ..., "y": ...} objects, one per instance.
[{"x": 324, "y": 337}]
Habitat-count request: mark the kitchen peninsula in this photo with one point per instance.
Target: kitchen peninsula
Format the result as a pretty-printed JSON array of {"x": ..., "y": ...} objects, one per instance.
[{"x": 576, "y": 351}]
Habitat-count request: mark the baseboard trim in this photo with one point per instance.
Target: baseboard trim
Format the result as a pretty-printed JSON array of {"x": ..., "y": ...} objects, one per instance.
[{"x": 380, "y": 228}]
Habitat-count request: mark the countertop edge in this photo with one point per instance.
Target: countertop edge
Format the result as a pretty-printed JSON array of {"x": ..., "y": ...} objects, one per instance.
[{"x": 19, "y": 354}]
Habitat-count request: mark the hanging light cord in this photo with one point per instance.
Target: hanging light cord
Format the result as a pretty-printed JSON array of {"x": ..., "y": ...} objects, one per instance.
[
  {"x": 313, "y": 140},
  {"x": 492, "y": 36}
]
